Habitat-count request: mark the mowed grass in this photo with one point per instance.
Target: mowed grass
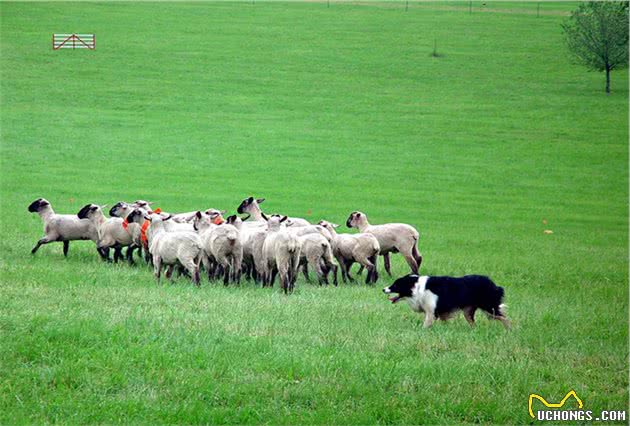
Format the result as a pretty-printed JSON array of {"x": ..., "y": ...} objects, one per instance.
[{"x": 322, "y": 111}]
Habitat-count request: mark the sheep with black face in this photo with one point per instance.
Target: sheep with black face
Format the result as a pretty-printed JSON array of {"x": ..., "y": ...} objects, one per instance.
[
  {"x": 251, "y": 205},
  {"x": 392, "y": 238},
  {"x": 61, "y": 227},
  {"x": 111, "y": 232}
]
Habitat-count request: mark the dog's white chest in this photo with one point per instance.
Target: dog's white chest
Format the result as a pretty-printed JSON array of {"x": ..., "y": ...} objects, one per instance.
[{"x": 421, "y": 299}]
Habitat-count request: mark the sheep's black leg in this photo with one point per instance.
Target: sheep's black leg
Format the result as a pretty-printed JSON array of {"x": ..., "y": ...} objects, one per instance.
[
  {"x": 117, "y": 253},
  {"x": 387, "y": 264},
  {"x": 348, "y": 266},
  {"x": 39, "y": 244},
  {"x": 417, "y": 256},
  {"x": 66, "y": 246},
  {"x": 129, "y": 255},
  {"x": 169, "y": 272},
  {"x": 226, "y": 275},
  {"x": 100, "y": 253},
  {"x": 104, "y": 252},
  {"x": 305, "y": 272}
]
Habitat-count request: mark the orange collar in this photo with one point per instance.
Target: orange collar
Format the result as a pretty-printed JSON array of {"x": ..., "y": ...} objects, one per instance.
[
  {"x": 143, "y": 233},
  {"x": 125, "y": 224},
  {"x": 218, "y": 220}
]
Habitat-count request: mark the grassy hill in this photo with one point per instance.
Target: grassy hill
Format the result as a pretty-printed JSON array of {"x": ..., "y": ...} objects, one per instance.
[{"x": 322, "y": 111}]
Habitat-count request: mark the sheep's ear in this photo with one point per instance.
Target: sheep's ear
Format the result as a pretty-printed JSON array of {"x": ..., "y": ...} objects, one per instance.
[
  {"x": 250, "y": 200},
  {"x": 260, "y": 200},
  {"x": 222, "y": 212},
  {"x": 147, "y": 217},
  {"x": 198, "y": 214},
  {"x": 231, "y": 219},
  {"x": 334, "y": 225},
  {"x": 167, "y": 217},
  {"x": 283, "y": 219},
  {"x": 245, "y": 218},
  {"x": 150, "y": 203},
  {"x": 264, "y": 216},
  {"x": 103, "y": 206}
]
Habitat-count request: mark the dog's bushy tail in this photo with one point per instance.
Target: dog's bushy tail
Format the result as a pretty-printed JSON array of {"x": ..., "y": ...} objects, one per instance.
[
  {"x": 503, "y": 309},
  {"x": 499, "y": 307}
]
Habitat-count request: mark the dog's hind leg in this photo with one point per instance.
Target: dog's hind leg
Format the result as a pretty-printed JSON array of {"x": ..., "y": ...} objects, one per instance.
[
  {"x": 498, "y": 313},
  {"x": 469, "y": 314},
  {"x": 506, "y": 322}
]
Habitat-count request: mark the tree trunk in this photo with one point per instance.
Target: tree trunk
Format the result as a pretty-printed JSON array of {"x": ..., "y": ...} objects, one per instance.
[{"x": 607, "y": 80}]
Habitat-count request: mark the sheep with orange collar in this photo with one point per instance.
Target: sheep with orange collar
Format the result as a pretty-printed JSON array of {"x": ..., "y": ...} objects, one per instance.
[
  {"x": 110, "y": 231},
  {"x": 173, "y": 248}
]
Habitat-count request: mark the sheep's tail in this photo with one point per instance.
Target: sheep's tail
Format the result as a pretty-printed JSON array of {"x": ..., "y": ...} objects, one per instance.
[{"x": 293, "y": 246}]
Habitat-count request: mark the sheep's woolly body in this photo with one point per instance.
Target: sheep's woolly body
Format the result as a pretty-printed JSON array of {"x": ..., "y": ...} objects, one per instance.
[
  {"x": 252, "y": 239},
  {"x": 61, "y": 227},
  {"x": 315, "y": 250},
  {"x": 281, "y": 253},
  {"x": 171, "y": 248},
  {"x": 350, "y": 248},
  {"x": 227, "y": 250},
  {"x": 68, "y": 227},
  {"x": 112, "y": 232},
  {"x": 310, "y": 229},
  {"x": 392, "y": 238}
]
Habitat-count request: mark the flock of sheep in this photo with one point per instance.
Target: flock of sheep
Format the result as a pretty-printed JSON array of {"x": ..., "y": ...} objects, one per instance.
[{"x": 260, "y": 246}]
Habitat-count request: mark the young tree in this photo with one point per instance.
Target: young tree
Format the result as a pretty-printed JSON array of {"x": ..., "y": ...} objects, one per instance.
[{"x": 597, "y": 33}]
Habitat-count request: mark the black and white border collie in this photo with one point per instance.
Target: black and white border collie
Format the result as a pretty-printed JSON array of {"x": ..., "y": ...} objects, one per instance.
[{"x": 441, "y": 297}]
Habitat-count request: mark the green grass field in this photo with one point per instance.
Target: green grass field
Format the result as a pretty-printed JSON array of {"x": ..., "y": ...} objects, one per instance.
[{"x": 322, "y": 110}]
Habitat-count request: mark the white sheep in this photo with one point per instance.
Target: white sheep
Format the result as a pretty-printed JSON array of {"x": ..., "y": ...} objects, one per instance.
[
  {"x": 392, "y": 238},
  {"x": 252, "y": 236},
  {"x": 251, "y": 205},
  {"x": 61, "y": 227},
  {"x": 316, "y": 252},
  {"x": 350, "y": 248},
  {"x": 309, "y": 229},
  {"x": 189, "y": 217},
  {"x": 253, "y": 240},
  {"x": 111, "y": 232},
  {"x": 281, "y": 254},
  {"x": 122, "y": 210},
  {"x": 222, "y": 244},
  {"x": 173, "y": 248}
]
